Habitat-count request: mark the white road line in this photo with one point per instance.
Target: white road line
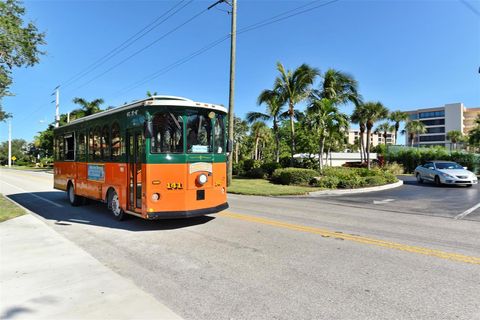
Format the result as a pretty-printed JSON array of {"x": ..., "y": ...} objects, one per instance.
[
  {"x": 34, "y": 195},
  {"x": 467, "y": 212},
  {"x": 383, "y": 201}
]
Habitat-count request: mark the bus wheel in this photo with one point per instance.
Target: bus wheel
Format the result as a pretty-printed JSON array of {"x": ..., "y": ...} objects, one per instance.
[
  {"x": 72, "y": 197},
  {"x": 114, "y": 205}
]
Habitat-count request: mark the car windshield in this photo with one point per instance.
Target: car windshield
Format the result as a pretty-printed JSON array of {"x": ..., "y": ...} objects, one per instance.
[{"x": 448, "y": 165}]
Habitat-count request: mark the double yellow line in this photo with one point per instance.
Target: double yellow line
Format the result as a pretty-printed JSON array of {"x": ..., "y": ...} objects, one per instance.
[{"x": 354, "y": 238}]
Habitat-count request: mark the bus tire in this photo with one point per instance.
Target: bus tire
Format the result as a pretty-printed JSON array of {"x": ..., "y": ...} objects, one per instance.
[
  {"x": 72, "y": 197},
  {"x": 114, "y": 206}
]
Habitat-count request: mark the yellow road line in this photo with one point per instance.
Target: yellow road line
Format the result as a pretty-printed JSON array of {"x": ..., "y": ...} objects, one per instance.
[{"x": 359, "y": 239}]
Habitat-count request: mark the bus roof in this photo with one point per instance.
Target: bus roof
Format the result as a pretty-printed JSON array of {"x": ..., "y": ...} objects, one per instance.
[{"x": 152, "y": 101}]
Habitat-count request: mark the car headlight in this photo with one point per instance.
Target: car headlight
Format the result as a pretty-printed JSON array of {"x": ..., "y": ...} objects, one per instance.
[{"x": 446, "y": 175}]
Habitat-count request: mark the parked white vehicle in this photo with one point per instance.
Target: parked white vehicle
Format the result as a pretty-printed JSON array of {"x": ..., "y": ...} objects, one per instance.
[{"x": 445, "y": 172}]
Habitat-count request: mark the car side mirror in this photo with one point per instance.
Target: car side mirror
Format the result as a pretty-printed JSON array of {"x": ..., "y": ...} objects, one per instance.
[
  {"x": 148, "y": 129},
  {"x": 466, "y": 168},
  {"x": 430, "y": 168},
  {"x": 229, "y": 146}
]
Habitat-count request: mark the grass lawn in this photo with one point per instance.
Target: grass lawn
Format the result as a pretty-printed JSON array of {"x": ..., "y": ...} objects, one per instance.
[
  {"x": 260, "y": 187},
  {"x": 9, "y": 210}
]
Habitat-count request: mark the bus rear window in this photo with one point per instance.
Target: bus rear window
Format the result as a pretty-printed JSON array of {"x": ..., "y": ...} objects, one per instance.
[{"x": 167, "y": 133}]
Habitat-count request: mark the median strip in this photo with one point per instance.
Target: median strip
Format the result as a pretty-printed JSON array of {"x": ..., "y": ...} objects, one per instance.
[{"x": 355, "y": 238}]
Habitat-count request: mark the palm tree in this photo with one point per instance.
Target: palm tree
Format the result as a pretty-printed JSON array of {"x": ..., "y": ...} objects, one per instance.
[
  {"x": 359, "y": 117},
  {"x": 151, "y": 94},
  {"x": 323, "y": 117},
  {"x": 88, "y": 108},
  {"x": 339, "y": 87},
  {"x": 454, "y": 136},
  {"x": 374, "y": 111},
  {"x": 274, "y": 112},
  {"x": 240, "y": 130},
  {"x": 294, "y": 87},
  {"x": 259, "y": 131},
  {"x": 397, "y": 117},
  {"x": 414, "y": 128},
  {"x": 384, "y": 128}
]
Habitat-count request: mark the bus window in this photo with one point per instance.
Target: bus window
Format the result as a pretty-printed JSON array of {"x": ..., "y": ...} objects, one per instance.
[
  {"x": 96, "y": 143},
  {"x": 167, "y": 133},
  {"x": 105, "y": 143},
  {"x": 69, "y": 147},
  {"x": 116, "y": 149},
  {"x": 61, "y": 150},
  {"x": 91, "y": 151},
  {"x": 81, "y": 146},
  {"x": 199, "y": 132},
  {"x": 219, "y": 133}
]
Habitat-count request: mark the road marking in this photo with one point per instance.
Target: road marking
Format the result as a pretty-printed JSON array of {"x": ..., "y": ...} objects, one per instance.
[
  {"x": 355, "y": 238},
  {"x": 467, "y": 212},
  {"x": 34, "y": 195},
  {"x": 383, "y": 201}
]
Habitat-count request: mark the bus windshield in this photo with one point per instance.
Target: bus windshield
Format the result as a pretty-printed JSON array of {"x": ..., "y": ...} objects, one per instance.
[{"x": 199, "y": 132}]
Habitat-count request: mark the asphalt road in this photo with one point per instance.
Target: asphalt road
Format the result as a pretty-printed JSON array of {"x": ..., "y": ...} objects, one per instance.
[
  {"x": 280, "y": 258},
  {"x": 415, "y": 198}
]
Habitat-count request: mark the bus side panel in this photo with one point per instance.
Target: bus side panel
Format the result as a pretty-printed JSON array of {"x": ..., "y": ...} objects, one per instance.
[
  {"x": 63, "y": 172},
  {"x": 178, "y": 191},
  {"x": 81, "y": 183},
  {"x": 116, "y": 177}
]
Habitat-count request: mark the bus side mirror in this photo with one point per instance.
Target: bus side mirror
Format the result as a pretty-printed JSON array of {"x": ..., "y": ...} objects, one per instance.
[
  {"x": 148, "y": 129},
  {"x": 229, "y": 146}
]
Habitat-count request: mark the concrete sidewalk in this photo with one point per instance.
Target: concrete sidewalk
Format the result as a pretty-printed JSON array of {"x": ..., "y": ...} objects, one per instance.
[{"x": 45, "y": 276}]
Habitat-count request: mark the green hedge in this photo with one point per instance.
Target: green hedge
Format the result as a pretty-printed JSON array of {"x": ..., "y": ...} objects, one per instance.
[
  {"x": 410, "y": 158},
  {"x": 351, "y": 178},
  {"x": 297, "y": 176}
]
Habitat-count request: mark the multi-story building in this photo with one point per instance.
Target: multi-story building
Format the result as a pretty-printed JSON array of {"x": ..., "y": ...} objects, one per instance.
[
  {"x": 376, "y": 138},
  {"x": 440, "y": 120}
]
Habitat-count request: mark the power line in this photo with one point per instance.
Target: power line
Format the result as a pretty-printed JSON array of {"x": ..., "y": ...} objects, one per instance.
[
  {"x": 127, "y": 43},
  {"x": 143, "y": 49},
  {"x": 280, "y": 17}
]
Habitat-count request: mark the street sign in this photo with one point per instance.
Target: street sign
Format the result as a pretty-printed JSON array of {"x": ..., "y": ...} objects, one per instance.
[{"x": 14, "y": 158}]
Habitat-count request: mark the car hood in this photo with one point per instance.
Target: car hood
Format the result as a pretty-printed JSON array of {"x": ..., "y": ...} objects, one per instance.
[{"x": 456, "y": 172}]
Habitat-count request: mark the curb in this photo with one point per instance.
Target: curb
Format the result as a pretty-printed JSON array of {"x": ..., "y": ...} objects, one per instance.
[{"x": 353, "y": 191}]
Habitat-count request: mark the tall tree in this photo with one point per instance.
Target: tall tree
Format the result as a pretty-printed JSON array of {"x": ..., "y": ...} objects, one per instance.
[
  {"x": 323, "y": 118},
  {"x": 384, "y": 128},
  {"x": 414, "y": 128},
  {"x": 259, "y": 132},
  {"x": 89, "y": 107},
  {"x": 454, "y": 136},
  {"x": 374, "y": 111},
  {"x": 274, "y": 111},
  {"x": 294, "y": 87},
  {"x": 339, "y": 87},
  {"x": 359, "y": 117},
  {"x": 240, "y": 131},
  {"x": 19, "y": 43},
  {"x": 397, "y": 117}
]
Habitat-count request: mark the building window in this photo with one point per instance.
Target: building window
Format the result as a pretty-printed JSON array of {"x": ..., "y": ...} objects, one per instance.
[
  {"x": 432, "y": 114},
  {"x": 439, "y": 137},
  {"x": 436, "y": 130},
  {"x": 436, "y": 122}
]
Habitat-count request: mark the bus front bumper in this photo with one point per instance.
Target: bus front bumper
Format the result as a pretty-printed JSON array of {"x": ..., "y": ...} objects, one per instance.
[{"x": 185, "y": 214}]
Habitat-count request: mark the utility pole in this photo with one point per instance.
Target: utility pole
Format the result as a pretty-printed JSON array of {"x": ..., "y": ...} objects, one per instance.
[
  {"x": 233, "y": 45},
  {"x": 9, "y": 143},
  {"x": 57, "y": 106}
]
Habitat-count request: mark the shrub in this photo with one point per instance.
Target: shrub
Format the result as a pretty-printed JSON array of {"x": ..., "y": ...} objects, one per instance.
[
  {"x": 352, "y": 182},
  {"x": 326, "y": 182},
  {"x": 237, "y": 169},
  {"x": 250, "y": 164},
  {"x": 256, "y": 173},
  {"x": 270, "y": 167},
  {"x": 297, "y": 176},
  {"x": 394, "y": 168},
  {"x": 375, "y": 181}
]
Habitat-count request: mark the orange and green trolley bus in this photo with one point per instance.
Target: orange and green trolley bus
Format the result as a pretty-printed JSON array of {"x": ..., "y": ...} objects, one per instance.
[{"x": 162, "y": 157}]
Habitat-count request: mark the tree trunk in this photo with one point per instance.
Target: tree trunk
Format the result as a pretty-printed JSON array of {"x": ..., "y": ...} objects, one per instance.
[
  {"x": 255, "y": 152},
  {"x": 368, "y": 148},
  {"x": 320, "y": 152},
  {"x": 361, "y": 147},
  {"x": 292, "y": 129},
  {"x": 277, "y": 141},
  {"x": 236, "y": 152}
]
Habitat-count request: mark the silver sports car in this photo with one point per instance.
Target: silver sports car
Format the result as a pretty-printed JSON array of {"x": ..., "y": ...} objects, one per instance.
[{"x": 445, "y": 172}]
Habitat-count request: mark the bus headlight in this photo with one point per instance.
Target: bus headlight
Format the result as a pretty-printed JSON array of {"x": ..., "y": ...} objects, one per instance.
[
  {"x": 202, "y": 179},
  {"x": 155, "y": 196}
]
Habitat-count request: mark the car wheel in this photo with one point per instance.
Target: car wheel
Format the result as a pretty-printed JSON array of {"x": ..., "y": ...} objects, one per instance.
[
  {"x": 419, "y": 178},
  {"x": 72, "y": 197},
  {"x": 437, "y": 181},
  {"x": 114, "y": 205}
]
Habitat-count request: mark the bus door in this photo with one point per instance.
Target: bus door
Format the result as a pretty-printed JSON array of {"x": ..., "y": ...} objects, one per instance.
[{"x": 135, "y": 157}]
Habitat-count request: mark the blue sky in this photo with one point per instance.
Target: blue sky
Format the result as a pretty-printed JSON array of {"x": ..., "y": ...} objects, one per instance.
[{"x": 406, "y": 54}]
